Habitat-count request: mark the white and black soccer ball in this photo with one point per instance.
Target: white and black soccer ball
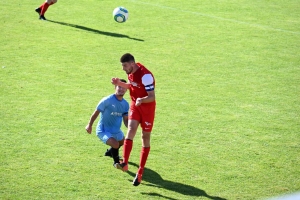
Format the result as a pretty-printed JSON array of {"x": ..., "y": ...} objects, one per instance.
[{"x": 120, "y": 14}]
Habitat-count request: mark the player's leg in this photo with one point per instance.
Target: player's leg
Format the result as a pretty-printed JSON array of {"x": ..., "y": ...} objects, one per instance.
[
  {"x": 115, "y": 141},
  {"x": 44, "y": 7},
  {"x": 128, "y": 143},
  {"x": 108, "y": 151},
  {"x": 121, "y": 143},
  {"x": 143, "y": 157},
  {"x": 39, "y": 9},
  {"x": 120, "y": 138},
  {"x": 133, "y": 123},
  {"x": 147, "y": 125},
  {"x": 111, "y": 140},
  {"x": 114, "y": 149}
]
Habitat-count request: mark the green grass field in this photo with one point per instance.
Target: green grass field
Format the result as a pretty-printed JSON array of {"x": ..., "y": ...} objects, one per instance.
[{"x": 227, "y": 87}]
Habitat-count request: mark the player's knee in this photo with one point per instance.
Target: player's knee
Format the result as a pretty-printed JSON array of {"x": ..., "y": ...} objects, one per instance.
[
  {"x": 121, "y": 143},
  {"x": 145, "y": 136},
  {"x": 131, "y": 133},
  {"x": 51, "y": 1},
  {"x": 115, "y": 146},
  {"x": 113, "y": 143},
  {"x": 133, "y": 125},
  {"x": 132, "y": 129}
]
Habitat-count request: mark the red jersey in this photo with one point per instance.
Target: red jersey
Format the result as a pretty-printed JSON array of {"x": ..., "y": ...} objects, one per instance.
[{"x": 141, "y": 81}]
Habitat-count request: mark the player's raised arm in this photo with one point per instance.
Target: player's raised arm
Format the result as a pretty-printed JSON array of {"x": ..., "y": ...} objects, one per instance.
[{"x": 118, "y": 82}]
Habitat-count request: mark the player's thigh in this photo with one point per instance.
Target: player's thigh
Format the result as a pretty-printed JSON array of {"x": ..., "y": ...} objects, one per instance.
[
  {"x": 104, "y": 136},
  {"x": 113, "y": 143},
  {"x": 119, "y": 136},
  {"x": 132, "y": 128},
  {"x": 134, "y": 113},
  {"x": 116, "y": 140},
  {"x": 147, "y": 121},
  {"x": 135, "y": 116}
]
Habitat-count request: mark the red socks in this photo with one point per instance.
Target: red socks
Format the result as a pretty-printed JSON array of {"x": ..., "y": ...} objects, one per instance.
[
  {"x": 126, "y": 150},
  {"x": 44, "y": 7},
  {"x": 143, "y": 158}
]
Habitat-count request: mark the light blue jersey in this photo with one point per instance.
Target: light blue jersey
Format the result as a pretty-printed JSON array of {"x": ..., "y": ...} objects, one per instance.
[{"x": 111, "y": 117}]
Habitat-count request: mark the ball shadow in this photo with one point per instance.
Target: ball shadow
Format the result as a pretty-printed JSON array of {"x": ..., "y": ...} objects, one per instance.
[{"x": 96, "y": 31}]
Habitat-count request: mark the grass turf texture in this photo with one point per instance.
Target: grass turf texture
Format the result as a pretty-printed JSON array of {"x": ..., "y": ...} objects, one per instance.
[{"x": 227, "y": 75}]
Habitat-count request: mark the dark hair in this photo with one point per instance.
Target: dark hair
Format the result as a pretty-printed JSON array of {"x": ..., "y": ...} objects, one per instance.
[
  {"x": 127, "y": 57},
  {"x": 123, "y": 80}
]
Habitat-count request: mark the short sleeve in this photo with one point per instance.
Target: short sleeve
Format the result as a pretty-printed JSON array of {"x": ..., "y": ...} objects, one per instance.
[
  {"x": 102, "y": 105},
  {"x": 147, "y": 81}
]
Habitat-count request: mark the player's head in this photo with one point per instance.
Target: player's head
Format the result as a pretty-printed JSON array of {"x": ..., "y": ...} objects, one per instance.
[
  {"x": 128, "y": 62},
  {"x": 120, "y": 91}
]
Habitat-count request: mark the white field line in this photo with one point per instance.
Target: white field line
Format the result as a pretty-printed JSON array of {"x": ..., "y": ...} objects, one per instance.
[{"x": 216, "y": 17}]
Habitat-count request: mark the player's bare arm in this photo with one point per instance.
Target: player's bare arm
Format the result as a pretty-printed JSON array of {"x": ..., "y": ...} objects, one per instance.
[
  {"x": 125, "y": 121},
  {"x": 147, "y": 81},
  {"x": 147, "y": 99},
  {"x": 94, "y": 116},
  {"x": 118, "y": 82}
]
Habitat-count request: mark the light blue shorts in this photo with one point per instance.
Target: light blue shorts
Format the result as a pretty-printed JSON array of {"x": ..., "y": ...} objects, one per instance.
[{"x": 104, "y": 136}]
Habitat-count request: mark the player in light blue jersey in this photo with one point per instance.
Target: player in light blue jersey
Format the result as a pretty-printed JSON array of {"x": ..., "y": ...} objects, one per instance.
[{"x": 113, "y": 108}]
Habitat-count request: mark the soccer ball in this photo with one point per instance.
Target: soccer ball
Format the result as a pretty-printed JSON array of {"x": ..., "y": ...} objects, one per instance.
[{"x": 120, "y": 14}]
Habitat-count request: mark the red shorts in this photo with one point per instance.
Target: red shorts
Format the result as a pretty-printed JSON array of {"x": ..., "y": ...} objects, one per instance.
[{"x": 144, "y": 114}]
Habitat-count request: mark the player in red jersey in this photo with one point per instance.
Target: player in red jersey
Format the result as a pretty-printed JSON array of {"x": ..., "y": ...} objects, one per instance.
[
  {"x": 142, "y": 110},
  {"x": 43, "y": 8}
]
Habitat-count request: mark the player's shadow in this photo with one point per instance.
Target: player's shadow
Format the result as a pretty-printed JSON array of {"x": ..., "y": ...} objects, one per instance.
[
  {"x": 96, "y": 31},
  {"x": 156, "y": 180}
]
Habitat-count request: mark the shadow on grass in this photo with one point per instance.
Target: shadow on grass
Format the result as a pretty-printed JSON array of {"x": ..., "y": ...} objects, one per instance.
[
  {"x": 157, "y": 181},
  {"x": 96, "y": 31}
]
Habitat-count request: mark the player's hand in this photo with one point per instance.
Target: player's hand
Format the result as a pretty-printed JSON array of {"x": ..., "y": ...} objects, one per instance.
[
  {"x": 138, "y": 102},
  {"x": 88, "y": 128},
  {"x": 115, "y": 81}
]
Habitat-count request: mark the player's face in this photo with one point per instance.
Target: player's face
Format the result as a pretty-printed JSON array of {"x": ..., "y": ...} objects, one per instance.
[
  {"x": 120, "y": 91},
  {"x": 128, "y": 66}
]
